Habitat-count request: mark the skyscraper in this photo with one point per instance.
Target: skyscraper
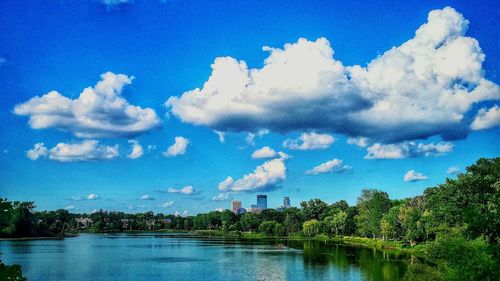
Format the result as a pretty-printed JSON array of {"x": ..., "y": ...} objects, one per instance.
[
  {"x": 286, "y": 202},
  {"x": 235, "y": 206},
  {"x": 262, "y": 202}
]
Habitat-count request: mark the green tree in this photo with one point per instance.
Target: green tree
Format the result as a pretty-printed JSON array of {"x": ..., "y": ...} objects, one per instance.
[
  {"x": 267, "y": 227},
  {"x": 390, "y": 225},
  {"x": 372, "y": 204},
  {"x": 293, "y": 221},
  {"x": 23, "y": 219},
  {"x": 11, "y": 272},
  {"x": 471, "y": 200},
  {"x": 311, "y": 228},
  {"x": 410, "y": 216},
  {"x": 336, "y": 224},
  {"x": 464, "y": 259},
  {"x": 6, "y": 216},
  {"x": 249, "y": 221},
  {"x": 272, "y": 215},
  {"x": 314, "y": 209}
]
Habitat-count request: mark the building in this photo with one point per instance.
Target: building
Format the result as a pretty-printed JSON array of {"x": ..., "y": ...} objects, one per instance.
[
  {"x": 83, "y": 222},
  {"x": 255, "y": 209},
  {"x": 286, "y": 202},
  {"x": 241, "y": 211},
  {"x": 262, "y": 202},
  {"x": 235, "y": 206}
]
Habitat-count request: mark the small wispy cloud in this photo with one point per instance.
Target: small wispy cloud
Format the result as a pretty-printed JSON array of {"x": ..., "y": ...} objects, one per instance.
[
  {"x": 146, "y": 197},
  {"x": 413, "y": 175},
  {"x": 167, "y": 204},
  {"x": 453, "y": 170},
  {"x": 187, "y": 190},
  {"x": 332, "y": 166}
]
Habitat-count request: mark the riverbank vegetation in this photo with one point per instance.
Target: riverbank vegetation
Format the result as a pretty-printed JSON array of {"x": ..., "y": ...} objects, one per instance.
[{"x": 455, "y": 225}]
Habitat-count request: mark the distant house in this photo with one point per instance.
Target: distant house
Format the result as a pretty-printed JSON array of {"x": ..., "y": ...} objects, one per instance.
[
  {"x": 125, "y": 223},
  {"x": 150, "y": 224},
  {"x": 83, "y": 222}
]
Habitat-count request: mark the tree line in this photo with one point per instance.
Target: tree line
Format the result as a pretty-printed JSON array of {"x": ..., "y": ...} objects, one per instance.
[{"x": 458, "y": 221}]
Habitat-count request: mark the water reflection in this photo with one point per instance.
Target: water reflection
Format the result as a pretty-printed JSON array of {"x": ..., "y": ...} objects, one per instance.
[{"x": 188, "y": 257}]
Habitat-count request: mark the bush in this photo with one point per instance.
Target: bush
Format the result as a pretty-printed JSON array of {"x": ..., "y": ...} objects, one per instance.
[
  {"x": 463, "y": 259},
  {"x": 11, "y": 272}
]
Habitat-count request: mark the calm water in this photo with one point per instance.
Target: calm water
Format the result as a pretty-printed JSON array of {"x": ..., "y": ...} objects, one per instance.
[{"x": 184, "y": 257}]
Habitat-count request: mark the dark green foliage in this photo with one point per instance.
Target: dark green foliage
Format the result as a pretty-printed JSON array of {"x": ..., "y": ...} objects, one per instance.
[
  {"x": 372, "y": 204},
  {"x": 293, "y": 221},
  {"x": 11, "y": 272},
  {"x": 464, "y": 259},
  {"x": 314, "y": 209},
  {"x": 471, "y": 200}
]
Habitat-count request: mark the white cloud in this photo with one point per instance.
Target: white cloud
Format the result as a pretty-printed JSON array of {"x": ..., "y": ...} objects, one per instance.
[
  {"x": 146, "y": 197},
  {"x": 419, "y": 89},
  {"x": 98, "y": 112},
  {"x": 407, "y": 149},
  {"x": 38, "y": 150},
  {"x": 359, "y": 141},
  {"x": 283, "y": 155},
  {"x": 433, "y": 149},
  {"x": 151, "y": 147},
  {"x": 219, "y": 209},
  {"x": 250, "y": 139},
  {"x": 69, "y": 207},
  {"x": 264, "y": 152},
  {"x": 136, "y": 148},
  {"x": 221, "y": 135},
  {"x": 486, "y": 118},
  {"x": 225, "y": 184},
  {"x": 187, "y": 190},
  {"x": 453, "y": 170},
  {"x": 178, "y": 148},
  {"x": 185, "y": 213},
  {"x": 167, "y": 204},
  {"x": 87, "y": 150},
  {"x": 309, "y": 141},
  {"x": 332, "y": 166},
  {"x": 412, "y": 175},
  {"x": 264, "y": 177},
  {"x": 223, "y": 196},
  {"x": 76, "y": 198},
  {"x": 92, "y": 196}
]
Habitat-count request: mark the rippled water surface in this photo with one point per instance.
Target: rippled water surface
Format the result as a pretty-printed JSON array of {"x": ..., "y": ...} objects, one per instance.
[{"x": 188, "y": 257}]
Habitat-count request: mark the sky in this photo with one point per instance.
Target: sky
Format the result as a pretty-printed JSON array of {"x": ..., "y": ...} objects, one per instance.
[{"x": 182, "y": 106}]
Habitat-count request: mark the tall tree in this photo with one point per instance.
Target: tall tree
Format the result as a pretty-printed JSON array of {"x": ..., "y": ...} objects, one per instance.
[
  {"x": 471, "y": 200},
  {"x": 372, "y": 204},
  {"x": 314, "y": 209}
]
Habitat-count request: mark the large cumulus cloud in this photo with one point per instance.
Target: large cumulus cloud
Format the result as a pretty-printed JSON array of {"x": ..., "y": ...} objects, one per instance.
[
  {"x": 98, "y": 112},
  {"x": 423, "y": 88}
]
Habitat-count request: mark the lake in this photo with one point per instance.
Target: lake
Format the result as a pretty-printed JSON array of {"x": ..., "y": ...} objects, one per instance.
[{"x": 190, "y": 257}]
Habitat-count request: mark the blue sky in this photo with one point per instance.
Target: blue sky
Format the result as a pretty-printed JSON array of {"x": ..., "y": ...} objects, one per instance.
[{"x": 361, "y": 93}]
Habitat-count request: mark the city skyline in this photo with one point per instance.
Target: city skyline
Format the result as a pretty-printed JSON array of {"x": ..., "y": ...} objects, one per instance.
[{"x": 135, "y": 106}]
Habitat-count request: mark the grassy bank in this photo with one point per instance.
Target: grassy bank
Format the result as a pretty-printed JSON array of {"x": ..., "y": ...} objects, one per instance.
[{"x": 373, "y": 243}]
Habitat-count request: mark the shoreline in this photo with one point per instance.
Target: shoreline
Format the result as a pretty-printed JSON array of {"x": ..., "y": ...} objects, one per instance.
[{"x": 34, "y": 238}]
